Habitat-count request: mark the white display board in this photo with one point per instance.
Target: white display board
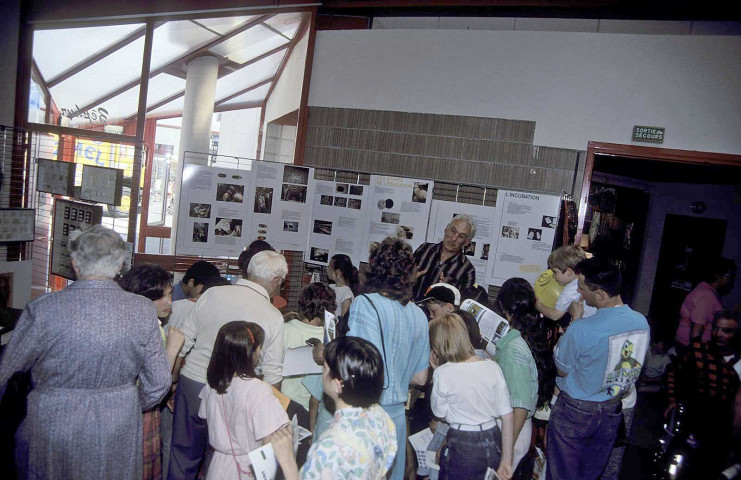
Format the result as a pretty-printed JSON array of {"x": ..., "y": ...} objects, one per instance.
[
  {"x": 339, "y": 221},
  {"x": 399, "y": 207},
  {"x": 214, "y": 212},
  {"x": 525, "y": 227},
  {"x": 281, "y": 205},
  {"x": 478, "y": 251}
]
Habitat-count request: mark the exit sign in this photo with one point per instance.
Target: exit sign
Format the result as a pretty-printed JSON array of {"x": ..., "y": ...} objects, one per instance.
[{"x": 648, "y": 134}]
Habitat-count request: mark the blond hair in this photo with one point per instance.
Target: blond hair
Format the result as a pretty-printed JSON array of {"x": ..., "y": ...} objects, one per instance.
[
  {"x": 566, "y": 257},
  {"x": 449, "y": 339}
]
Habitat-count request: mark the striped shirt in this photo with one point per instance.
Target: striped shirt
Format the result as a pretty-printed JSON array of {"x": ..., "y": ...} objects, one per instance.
[
  {"x": 456, "y": 270},
  {"x": 703, "y": 374},
  {"x": 520, "y": 372}
]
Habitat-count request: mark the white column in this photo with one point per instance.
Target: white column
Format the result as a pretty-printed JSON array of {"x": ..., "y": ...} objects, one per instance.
[{"x": 195, "y": 133}]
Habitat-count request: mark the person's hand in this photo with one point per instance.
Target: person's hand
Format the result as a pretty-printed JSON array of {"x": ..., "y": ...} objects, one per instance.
[
  {"x": 672, "y": 405},
  {"x": 318, "y": 354},
  {"x": 576, "y": 309},
  {"x": 171, "y": 400},
  {"x": 419, "y": 273},
  {"x": 504, "y": 471},
  {"x": 282, "y": 441}
]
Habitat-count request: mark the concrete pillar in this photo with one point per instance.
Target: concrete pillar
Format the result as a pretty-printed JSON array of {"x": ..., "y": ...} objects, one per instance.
[{"x": 195, "y": 133}]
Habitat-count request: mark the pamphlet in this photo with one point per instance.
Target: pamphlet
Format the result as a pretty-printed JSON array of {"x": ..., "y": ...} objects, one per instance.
[
  {"x": 299, "y": 361},
  {"x": 419, "y": 442},
  {"x": 264, "y": 462},
  {"x": 492, "y": 326},
  {"x": 330, "y": 327}
]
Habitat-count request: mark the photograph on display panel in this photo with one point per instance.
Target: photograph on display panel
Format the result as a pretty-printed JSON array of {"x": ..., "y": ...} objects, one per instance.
[
  {"x": 231, "y": 227},
  {"x": 54, "y": 176},
  {"x": 263, "y": 200},
  {"x": 299, "y": 175},
  {"x": 200, "y": 210},
  {"x": 228, "y": 192},
  {"x": 322, "y": 227},
  {"x": 200, "y": 232},
  {"x": 293, "y": 193}
]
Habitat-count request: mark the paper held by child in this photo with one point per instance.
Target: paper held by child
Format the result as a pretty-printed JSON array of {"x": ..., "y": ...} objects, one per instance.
[
  {"x": 299, "y": 361},
  {"x": 492, "y": 326}
]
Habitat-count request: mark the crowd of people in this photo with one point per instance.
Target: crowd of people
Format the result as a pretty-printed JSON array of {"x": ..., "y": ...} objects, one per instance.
[{"x": 133, "y": 377}]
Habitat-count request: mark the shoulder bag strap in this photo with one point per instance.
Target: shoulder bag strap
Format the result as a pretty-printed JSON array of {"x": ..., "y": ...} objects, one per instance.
[
  {"x": 383, "y": 344},
  {"x": 228, "y": 434}
]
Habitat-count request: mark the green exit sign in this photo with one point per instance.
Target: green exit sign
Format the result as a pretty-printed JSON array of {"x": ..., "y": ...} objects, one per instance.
[{"x": 648, "y": 134}]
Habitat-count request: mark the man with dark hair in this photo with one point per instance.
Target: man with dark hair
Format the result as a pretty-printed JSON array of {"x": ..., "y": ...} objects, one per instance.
[
  {"x": 193, "y": 280},
  {"x": 698, "y": 308},
  {"x": 705, "y": 381},
  {"x": 599, "y": 359}
]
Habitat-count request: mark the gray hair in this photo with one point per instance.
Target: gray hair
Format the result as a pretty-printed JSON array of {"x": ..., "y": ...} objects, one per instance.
[
  {"x": 99, "y": 252},
  {"x": 469, "y": 221},
  {"x": 267, "y": 265}
]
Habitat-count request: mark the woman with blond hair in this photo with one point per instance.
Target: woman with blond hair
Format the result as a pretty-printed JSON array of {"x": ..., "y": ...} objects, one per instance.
[{"x": 470, "y": 395}]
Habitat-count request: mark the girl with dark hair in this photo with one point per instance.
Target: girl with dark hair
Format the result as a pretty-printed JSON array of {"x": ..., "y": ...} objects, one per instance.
[
  {"x": 241, "y": 410},
  {"x": 345, "y": 277},
  {"x": 361, "y": 442},
  {"x": 397, "y": 327},
  {"x": 314, "y": 299},
  {"x": 155, "y": 283},
  {"x": 516, "y": 353},
  {"x": 469, "y": 394}
]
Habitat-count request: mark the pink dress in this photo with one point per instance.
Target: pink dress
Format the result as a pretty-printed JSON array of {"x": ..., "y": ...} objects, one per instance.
[
  {"x": 700, "y": 305},
  {"x": 253, "y": 413}
]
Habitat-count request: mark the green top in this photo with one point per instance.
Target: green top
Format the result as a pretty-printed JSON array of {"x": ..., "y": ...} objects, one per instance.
[{"x": 518, "y": 365}]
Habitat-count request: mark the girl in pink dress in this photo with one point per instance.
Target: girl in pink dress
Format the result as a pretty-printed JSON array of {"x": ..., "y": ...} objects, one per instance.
[{"x": 242, "y": 411}]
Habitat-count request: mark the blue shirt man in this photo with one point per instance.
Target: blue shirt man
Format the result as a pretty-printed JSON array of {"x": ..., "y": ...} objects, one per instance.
[{"x": 598, "y": 358}]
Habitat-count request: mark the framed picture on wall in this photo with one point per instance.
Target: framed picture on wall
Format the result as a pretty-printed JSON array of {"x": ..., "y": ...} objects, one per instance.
[
  {"x": 68, "y": 217},
  {"x": 17, "y": 224},
  {"x": 102, "y": 185},
  {"x": 54, "y": 176}
]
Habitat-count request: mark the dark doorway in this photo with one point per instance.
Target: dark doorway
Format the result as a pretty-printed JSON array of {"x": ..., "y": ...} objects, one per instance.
[
  {"x": 686, "y": 245},
  {"x": 615, "y": 226}
]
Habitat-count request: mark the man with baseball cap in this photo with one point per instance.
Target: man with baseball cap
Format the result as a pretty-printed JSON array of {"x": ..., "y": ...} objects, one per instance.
[{"x": 441, "y": 299}]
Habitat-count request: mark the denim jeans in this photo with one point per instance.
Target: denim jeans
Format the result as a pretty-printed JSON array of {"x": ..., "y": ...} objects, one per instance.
[
  {"x": 468, "y": 454},
  {"x": 580, "y": 437}
]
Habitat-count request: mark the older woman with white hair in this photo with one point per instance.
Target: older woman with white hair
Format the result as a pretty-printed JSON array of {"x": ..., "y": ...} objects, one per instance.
[{"x": 85, "y": 347}]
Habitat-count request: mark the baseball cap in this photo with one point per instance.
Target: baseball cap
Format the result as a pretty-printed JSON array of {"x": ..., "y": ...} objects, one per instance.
[{"x": 443, "y": 292}]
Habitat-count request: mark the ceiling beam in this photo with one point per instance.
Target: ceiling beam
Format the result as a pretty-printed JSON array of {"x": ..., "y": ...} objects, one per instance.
[
  {"x": 183, "y": 58},
  {"x": 237, "y": 106},
  {"x": 75, "y": 69},
  {"x": 277, "y": 32},
  {"x": 296, "y": 37},
  {"x": 242, "y": 92}
]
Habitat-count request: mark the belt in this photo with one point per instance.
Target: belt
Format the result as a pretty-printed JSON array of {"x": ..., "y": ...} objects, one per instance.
[{"x": 474, "y": 428}]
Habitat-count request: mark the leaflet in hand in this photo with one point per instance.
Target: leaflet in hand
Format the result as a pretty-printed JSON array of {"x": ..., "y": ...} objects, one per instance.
[
  {"x": 264, "y": 462},
  {"x": 299, "y": 361},
  {"x": 330, "y": 327},
  {"x": 419, "y": 442},
  {"x": 299, "y": 433},
  {"x": 492, "y": 326}
]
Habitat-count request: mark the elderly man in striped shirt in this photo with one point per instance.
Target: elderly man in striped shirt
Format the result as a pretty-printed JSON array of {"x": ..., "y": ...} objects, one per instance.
[{"x": 446, "y": 262}]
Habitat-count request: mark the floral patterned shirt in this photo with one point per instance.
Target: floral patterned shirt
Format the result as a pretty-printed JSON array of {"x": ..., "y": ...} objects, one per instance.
[{"x": 360, "y": 444}]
